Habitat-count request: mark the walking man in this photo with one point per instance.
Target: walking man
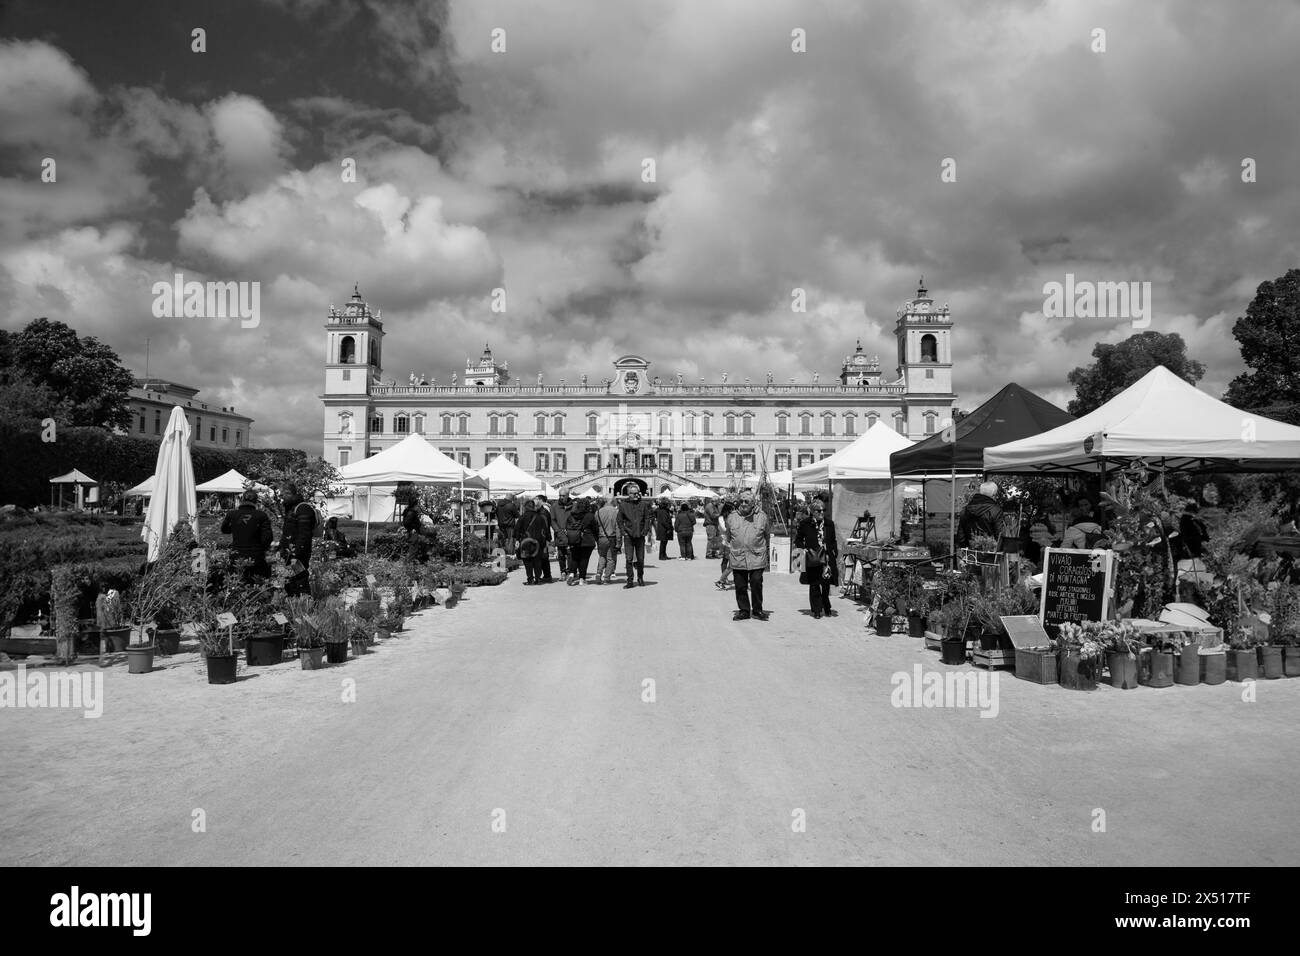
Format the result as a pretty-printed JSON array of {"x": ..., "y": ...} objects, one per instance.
[
  {"x": 747, "y": 531},
  {"x": 507, "y": 518},
  {"x": 711, "y": 528},
  {"x": 685, "y": 528},
  {"x": 544, "y": 562},
  {"x": 534, "y": 530},
  {"x": 608, "y": 540},
  {"x": 634, "y": 520}
]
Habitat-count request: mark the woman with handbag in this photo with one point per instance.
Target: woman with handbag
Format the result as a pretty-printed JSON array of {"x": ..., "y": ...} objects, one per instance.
[
  {"x": 580, "y": 534},
  {"x": 815, "y": 537}
]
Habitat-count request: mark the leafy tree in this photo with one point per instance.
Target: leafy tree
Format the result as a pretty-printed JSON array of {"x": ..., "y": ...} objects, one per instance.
[
  {"x": 83, "y": 377},
  {"x": 1119, "y": 366},
  {"x": 314, "y": 476},
  {"x": 1269, "y": 336}
]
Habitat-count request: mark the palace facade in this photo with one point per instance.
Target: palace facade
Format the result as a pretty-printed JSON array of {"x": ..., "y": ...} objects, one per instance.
[{"x": 636, "y": 421}]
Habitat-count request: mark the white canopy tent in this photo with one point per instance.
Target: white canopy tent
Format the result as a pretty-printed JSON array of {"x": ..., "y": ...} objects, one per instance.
[
  {"x": 1161, "y": 420},
  {"x": 79, "y": 481},
  {"x": 860, "y": 479},
  {"x": 507, "y": 478},
  {"x": 785, "y": 479},
  {"x": 687, "y": 492},
  {"x": 231, "y": 483},
  {"x": 142, "y": 490},
  {"x": 412, "y": 459}
]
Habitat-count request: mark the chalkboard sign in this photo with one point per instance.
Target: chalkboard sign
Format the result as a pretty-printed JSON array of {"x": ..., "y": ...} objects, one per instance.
[{"x": 1076, "y": 586}]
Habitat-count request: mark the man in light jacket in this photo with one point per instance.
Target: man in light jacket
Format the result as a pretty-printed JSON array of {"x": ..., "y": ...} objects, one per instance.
[
  {"x": 747, "y": 532},
  {"x": 608, "y": 541}
]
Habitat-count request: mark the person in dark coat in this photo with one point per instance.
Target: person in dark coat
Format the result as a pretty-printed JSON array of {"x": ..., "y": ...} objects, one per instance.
[
  {"x": 664, "y": 521},
  {"x": 560, "y": 512},
  {"x": 295, "y": 538},
  {"x": 534, "y": 530},
  {"x": 581, "y": 533},
  {"x": 711, "y": 528},
  {"x": 545, "y": 557},
  {"x": 507, "y": 518},
  {"x": 250, "y": 533},
  {"x": 816, "y": 537},
  {"x": 634, "y": 521},
  {"x": 982, "y": 515},
  {"x": 684, "y": 525}
]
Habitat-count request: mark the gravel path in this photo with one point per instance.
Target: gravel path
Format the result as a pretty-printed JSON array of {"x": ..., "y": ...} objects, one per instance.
[{"x": 524, "y": 707}]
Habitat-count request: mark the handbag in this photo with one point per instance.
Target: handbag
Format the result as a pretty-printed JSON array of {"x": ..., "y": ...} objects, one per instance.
[{"x": 797, "y": 561}]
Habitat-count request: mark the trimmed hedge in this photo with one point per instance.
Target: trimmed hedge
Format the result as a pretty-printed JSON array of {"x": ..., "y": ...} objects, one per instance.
[{"x": 30, "y": 463}]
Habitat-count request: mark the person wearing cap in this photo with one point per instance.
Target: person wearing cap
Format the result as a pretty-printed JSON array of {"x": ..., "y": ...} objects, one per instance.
[{"x": 250, "y": 533}]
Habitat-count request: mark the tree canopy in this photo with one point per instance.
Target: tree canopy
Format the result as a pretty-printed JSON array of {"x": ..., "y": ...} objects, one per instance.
[
  {"x": 1269, "y": 336},
  {"x": 47, "y": 371},
  {"x": 1119, "y": 366}
]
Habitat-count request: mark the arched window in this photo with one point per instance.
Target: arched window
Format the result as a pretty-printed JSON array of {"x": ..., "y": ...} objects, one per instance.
[
  {"x": 592, "y": 419},
  {"x": 688, "y": 423},
  {"x": 540, "y": 418},
  {"x": 345, "y": 424},
  {"x": 929, "y": 348},
  {"x": 929, "y": 422},
  {"x": 747, "y": 423},
  {"x": 805, "y": 423},
  {"x": 419, "y": 423},
  {"x": 731, "y": 423},
  {"x": 446, "y": 423},
  {"x": 850, "y": 423},
  {"x": 782, "y": 425},
  {"x": 828, "y": 423},
  {"x": 401, "y": 423},
  {"x": 872, "y": 418},
  {"x": 348, "y": 351},
  {"x": 557, "y": 428}
]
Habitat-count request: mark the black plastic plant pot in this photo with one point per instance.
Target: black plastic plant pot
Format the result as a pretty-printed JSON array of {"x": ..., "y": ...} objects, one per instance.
[
  {"x": 952, "y": 652},
  {"x": 264, "y": 649},
  {"x": 336, "y": 652},
  {"x": 221, "y": 670}
]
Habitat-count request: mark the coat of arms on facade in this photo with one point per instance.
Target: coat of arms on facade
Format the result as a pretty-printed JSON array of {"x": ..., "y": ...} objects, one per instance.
[{"x": 631, "y": 381}]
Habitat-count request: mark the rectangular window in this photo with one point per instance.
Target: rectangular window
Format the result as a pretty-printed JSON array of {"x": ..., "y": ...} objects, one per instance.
[
  {"x": 591, "y": 426},
  {"x": 560, "y": 459},
  {"x": 706, "y": 461},
  {"x": 446, "y": 424},
  {"x": 345, "y": 456},
  {"x": 746, "y": 461},
  {"x": 462, "y": 456},
  {"x": 225, "y": 436},
  {"x": 850, "y": 425},
  {"x": 828, "y": 425},
  {"x": 731, "y": 461},
  {"x": 591, "y": 461},
  {"x": 543, "y": 461},
  {"x": 212, "y": 433},
  {"x": 157, "y": 422},
  {"x": 690, "y": 461},
  {"x": 747, "y": 425},
  {"x": 805, "y": 424},
  {"x": 782, "y": 461},
  {"x": 400, "y": 424},
  {"x": 806, "y": 457},
  {"x": 666, "y": 461},
  {"x": 493, "y": 427},
  {"x": 929, "y": 373},
  {"x": 665, "y": 426},
  {"x": 541, "y": 425},
  {"x": 731, "y": 424},
  {"x": 347, "y": 375},
  {"x": 510, "y": 424},
  {"x": 557, "y": 425},
  {"x": 419, "y": 424},
  {"x": 826, "y": 453},
  {"x": 239, "y": 437},
  {"x": 489, "y": 455},
  {"x": 142, "y": 424},
  {"x": 929, "y": 424},
  {"x": 708, "y": 426},
  {"x": 464, "y": 424},
  {"x": 782, "y": 426},
  {"x": 512, "y": 456}
]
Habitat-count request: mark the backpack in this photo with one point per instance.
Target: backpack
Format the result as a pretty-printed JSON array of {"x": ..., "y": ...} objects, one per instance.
[{"x": 573, "y": 530}]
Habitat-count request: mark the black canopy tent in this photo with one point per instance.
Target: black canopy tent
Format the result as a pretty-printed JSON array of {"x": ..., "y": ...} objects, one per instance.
[{"x": 958, "y": 451}]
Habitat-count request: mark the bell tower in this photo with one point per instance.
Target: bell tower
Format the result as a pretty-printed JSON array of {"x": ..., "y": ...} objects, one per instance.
[
  {"x": 924, "y": 336},
  {"x": 354, "y": 339}
]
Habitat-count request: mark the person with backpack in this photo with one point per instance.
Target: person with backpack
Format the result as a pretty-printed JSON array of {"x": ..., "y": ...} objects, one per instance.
[
  {"x": 250, "y": 533},
  {"x": 560, "y": 512},
  {"x": 534, "y": 529},
  {"x": 684, "y": 525},
  {"x": 552, "y": 533},
  {"x": 609, "y": 540},
  {"x": 295, "y": 538},
  {"x": 507, "y": 518},
  {"x": 581, "y": 533},
  {"x": 1084, "y": 534}
]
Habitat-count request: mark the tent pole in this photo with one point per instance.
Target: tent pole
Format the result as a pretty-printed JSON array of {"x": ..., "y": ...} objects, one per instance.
[
  {"x": 952, "y": 518},
  {"x": 462, "y": 519},
  {"x": 367, "y": 548}
]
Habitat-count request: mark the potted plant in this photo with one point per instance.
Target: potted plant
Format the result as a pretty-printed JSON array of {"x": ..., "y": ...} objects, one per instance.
[
  {"x": 334, "y": 623},
  {"x": 1156, "y": 662},
  {"x": 1242, "y": 658},
  {"x": 984, "y": 549},
  {"x": 1123, "y": 644},
  {"x": 359, "y": 637},
  {"x": 1285, "y": 625},
  {"x": 109, "y": 616},
  {"x": 304, "y": 620},
  {"x": 1078, "y": 654},
  {"x": 170, "y": 590},
  {"x": 166, "y": 635}
]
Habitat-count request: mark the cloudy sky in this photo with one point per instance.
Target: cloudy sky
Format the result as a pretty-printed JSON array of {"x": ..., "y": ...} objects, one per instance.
[{"x": 523, "y": 169}]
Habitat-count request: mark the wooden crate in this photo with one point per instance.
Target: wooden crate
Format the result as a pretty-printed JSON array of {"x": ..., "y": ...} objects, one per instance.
[
  {"x": 1038, "y": 666},
  {"x": 992, "y": 659}
]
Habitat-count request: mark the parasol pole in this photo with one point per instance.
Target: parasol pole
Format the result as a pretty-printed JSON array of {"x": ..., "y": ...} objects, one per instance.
[{"x": 462, "y": 516}]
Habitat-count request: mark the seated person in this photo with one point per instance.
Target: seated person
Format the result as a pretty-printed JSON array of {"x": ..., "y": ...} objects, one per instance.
[{"x": 332, "y": 533}]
